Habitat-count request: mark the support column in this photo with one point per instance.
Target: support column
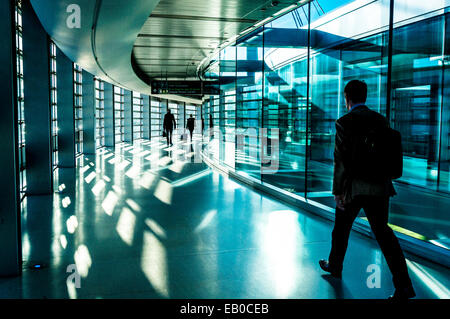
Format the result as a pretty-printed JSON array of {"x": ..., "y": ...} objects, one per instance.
[
  {"x": 10, "y": 252},
  {"x": 109, "y": 114},
  {"x": 38, "y": 150},
  {"x": 66, "y": 116},
  {"x": 128, "y": 116},
  {"x": 88, "y": 113},
  {"x": 146, "y": 115}
]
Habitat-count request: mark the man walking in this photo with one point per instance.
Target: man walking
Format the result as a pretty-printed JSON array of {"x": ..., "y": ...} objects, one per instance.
[
  {"x": 190, "y": 125},
  {"x": 355, "y": 187},
  {"x": 169, "y": 125}
]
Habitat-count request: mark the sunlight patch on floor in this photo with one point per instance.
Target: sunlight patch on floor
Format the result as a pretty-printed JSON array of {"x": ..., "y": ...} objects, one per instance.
[
  {"x": 109, "y": 203},
  {"x": 154, "y": 263},
  {"x": 163, "y": 192},
  {"x": 125, "y": 226}
]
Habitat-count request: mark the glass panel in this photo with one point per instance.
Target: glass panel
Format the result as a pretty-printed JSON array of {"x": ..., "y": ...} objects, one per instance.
[
  {"x": 416, "y": 90},
  {"x": 271, "y": 81},
  {"x": 339, "y": 54},
  {"x": 138, "y": 117},
  {"x": 249, "y": 95},
  {"x": 20, "y": 99},
  {"x": 155, "y": 116},
  {"x": 419, "y": 111},
  {"x": 100, "y": 113},
  {"x": 285, "y": 96},
  {"x": 227, "y": 107},
  {"x": 119, "y": 114},
  {"x": 444, "y": 172},
  {"x": 54, "y": 105},
  {"x": 78, "y": 105}
]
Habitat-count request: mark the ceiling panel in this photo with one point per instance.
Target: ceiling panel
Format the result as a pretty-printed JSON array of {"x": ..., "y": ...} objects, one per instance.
[
  {"x": 179, "y": 34},
  {"x": 174, "y": 26}
]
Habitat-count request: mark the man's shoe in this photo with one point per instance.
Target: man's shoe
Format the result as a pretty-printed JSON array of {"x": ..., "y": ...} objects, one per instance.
[
  {"x": 403, "y": 294},
  {"x": 325, "y": 265}
]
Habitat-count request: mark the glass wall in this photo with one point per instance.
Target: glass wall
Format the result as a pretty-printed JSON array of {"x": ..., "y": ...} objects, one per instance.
[
  {"x": 78, "y": 108},
  {"x": 334, "y": 60},
  {"x": 118, "y": 114},
  {"x": 214, "y": 128},
  {"x": 284, "y": 82},
  {"x": 419, "y": 110},
  {"x": 173, "y": 106},
  {"x": 99, "y": 113},
  {"x": 54, "y": 105},
  {"x": 285, "y": 102},
  {"x": 227, "y": 106},
  {"x": 249, "y": 96},
  {"x": 138, "y": 117},
  {"x": 155, "y": 118},
  {"x": 20, "y": 98}
]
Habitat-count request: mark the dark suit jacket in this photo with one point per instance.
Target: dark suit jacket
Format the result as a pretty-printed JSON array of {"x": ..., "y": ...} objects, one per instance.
[
  {"x": 345, "y": 182},
  {"x": 169, "y": 122},
  {"x": 190, "y": 124}
]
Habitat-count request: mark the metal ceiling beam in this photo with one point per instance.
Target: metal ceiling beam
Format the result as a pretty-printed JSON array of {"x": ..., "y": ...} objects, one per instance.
[
  {"x": 202, "y": 18},
  {"x": 171, "y": 47},
  {"x": 166, "y": 36}
]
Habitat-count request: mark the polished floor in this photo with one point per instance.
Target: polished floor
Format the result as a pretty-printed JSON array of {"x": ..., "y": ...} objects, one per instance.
[
  {"x": 148, "y": 221},
  {"x": 415, "y": 210}
]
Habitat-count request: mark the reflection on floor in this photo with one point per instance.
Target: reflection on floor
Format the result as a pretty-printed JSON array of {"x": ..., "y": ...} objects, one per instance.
[
  {"x": 147, "y": 221},
  {"x": 415, "y": 211}
]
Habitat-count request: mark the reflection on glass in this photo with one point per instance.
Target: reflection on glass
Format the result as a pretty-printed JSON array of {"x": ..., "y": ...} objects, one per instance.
[
  {"x": 249, "y": 84},
  {"x": 290, "y": 74},
  {"x": 285, "y": 96}
]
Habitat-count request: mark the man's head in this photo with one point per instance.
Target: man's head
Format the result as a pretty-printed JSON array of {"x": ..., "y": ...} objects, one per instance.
[
  {"x": 168, "y": 111},
  {"x": 355, "y": 92},
  {"x": 191, "y": 116}
]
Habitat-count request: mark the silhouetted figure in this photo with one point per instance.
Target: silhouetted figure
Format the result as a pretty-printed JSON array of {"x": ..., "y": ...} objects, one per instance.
[
  {"x": 211, "y": 125},
  {"x": 355, "y": 187},
  {"x": 190, "y": 125},
  {"x": 203, "y": 125},
  {"x": 169, "y": 125}
]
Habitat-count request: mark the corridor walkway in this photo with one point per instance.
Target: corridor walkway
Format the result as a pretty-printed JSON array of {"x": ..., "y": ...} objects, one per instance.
[{"x": 147, "y": 221}]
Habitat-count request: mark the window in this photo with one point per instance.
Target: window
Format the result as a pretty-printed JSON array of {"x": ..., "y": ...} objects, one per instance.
[
  {"x": 119, "y": 114},
  {"x": 289, "y": 75},
  {"x": 138, "y": 117},
  {"x": 173, "y": 107},
  {"x": 190, "y": 110},
  {"x": 178, "y": 113},
  {"x": 78, "y": 105},
  {"x": 20, "y": 97},
  {"x": 99, "y": 113},
  {"x": 155, "y": 118},
  {"x": 54, "y": 105}
]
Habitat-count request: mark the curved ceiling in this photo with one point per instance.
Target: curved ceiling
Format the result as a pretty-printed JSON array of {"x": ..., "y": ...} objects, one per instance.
[
  {"x": 180, "y": 34},
  {"x": 104, "y": 42},
  {"x": 128, "y": 43}
]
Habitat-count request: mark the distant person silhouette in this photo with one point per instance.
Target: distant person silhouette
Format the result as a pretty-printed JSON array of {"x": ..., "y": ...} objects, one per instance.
[
  {"x": 203, "y": 125},
  {"x": 355, "y": 187},
  {"x": 190, "y": 125},
  {"x": 211, "y": 126},
  {"x": 169, "y": 125}
]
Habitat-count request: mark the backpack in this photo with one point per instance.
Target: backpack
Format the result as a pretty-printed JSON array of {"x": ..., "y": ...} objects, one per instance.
[{"x": 378, "y": 154}]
